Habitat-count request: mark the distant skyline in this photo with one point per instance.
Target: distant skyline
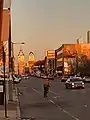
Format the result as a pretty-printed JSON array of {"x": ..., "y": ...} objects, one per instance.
[{"x": 46, "y": 24}]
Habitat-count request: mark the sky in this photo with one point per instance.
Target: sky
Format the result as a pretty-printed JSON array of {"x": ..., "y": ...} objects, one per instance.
[{"x": 46, "y": 24}]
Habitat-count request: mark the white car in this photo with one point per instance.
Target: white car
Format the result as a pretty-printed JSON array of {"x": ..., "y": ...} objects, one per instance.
[
  {"x": 25, "y": 76},
  {"x": 16, "y": 79},
  {"x": 2, "y": 77},
  {"x": 74, "y": 82},
  {"x": 87, "y": 80}
]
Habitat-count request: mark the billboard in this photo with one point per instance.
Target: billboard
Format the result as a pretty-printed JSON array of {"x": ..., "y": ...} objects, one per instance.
[{"x": 51, "y": 54}]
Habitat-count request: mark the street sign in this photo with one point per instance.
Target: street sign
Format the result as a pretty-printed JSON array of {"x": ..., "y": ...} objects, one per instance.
[{"x": 51, "y": 54}]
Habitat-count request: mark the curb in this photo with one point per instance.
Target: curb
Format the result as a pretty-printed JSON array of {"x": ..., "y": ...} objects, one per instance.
[{"x": 18, "y": 113}]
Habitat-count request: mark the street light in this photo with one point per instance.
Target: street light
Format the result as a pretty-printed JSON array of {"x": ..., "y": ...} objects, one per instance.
[
  {"x": 18, "y": 43},
  {"x": 12, "y": 57},
  {"x": 13, "y": 51}
]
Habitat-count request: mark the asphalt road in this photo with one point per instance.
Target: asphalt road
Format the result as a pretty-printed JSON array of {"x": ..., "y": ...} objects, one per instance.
[{"x": 62, "y": 104}]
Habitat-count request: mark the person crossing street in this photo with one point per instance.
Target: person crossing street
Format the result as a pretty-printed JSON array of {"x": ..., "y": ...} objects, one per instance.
[{"x": 46, "y": 85}]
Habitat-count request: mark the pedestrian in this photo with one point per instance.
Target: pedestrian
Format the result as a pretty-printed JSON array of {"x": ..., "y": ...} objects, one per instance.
[{"x": 46, "y": 85}]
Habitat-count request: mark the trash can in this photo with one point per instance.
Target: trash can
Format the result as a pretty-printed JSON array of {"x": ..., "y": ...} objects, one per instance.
[{"x": 1, "y": 92}]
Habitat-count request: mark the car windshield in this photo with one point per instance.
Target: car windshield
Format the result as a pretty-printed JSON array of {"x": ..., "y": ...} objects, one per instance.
[{"x": 75, "y": 80}]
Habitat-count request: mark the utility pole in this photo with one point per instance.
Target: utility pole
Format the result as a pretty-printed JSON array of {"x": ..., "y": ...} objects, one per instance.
[{"x": 10, "y": 67}]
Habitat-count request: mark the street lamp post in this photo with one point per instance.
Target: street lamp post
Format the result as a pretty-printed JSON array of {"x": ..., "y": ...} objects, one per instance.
[
  {"x": 13, "y": 52},
  {"x": 11, "y": 85},
  {"x": 10, "y": 67},
  {"x": 13, "y": 43},
  {"x": 12, "y": 58}
]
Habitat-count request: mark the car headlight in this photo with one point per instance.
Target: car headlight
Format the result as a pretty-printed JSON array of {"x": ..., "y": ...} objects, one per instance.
[{"x": 72, "y": 83}]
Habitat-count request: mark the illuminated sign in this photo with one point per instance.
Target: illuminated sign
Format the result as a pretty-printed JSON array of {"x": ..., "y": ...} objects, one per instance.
[{"x": 51, "y": 54}]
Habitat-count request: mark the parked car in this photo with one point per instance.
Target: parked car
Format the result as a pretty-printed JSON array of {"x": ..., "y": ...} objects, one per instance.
[
  {"x": 42, "y": 75},
  {"x": 25, "y": 76},
  {"x": 2, "y": 77},
  {"x": 16, "y": 79},
  {"x": 86, "y": 80},
  {"x": 74, "y": 83},
  {"x": 50, "y": 77},
  {"x": 38, "y": 74}
]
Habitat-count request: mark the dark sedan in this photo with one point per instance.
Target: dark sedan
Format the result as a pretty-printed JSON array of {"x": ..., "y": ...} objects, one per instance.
[{"x": 74, "y": 83}]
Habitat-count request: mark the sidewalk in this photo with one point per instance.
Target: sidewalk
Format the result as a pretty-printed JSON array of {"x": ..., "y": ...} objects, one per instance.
[{"x": 13, "y": 111}]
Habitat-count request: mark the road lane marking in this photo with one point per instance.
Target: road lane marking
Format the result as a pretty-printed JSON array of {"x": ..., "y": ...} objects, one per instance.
[
  {"x": 85, "y": 106},
  {"x": 53, "y": 92},
  {"x": 37, "y": 91},
  {"x": 51, "y": 101},
  {"x": 75, "y": 118},
  {"x": 56, "y": 97}
]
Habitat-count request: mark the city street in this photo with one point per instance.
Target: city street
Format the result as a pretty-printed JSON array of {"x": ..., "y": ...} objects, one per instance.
[{"x": 62, "y": 104}]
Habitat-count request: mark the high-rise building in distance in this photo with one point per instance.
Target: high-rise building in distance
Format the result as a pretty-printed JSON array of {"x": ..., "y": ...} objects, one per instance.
[{"x": 88, "y": 37}]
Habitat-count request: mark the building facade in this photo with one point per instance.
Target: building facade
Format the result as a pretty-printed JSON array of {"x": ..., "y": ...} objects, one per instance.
[
  {"x": 31, "y": 61},
  {"x": 50, "y": 61},
  {"x": 72, "y": 57}
]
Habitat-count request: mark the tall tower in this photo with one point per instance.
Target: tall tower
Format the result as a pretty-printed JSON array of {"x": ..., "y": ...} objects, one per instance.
[
  {"x": 21, "y": 62},
  {"x": 31, "y": 61},
  {"x": 88, "y": 37}
]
